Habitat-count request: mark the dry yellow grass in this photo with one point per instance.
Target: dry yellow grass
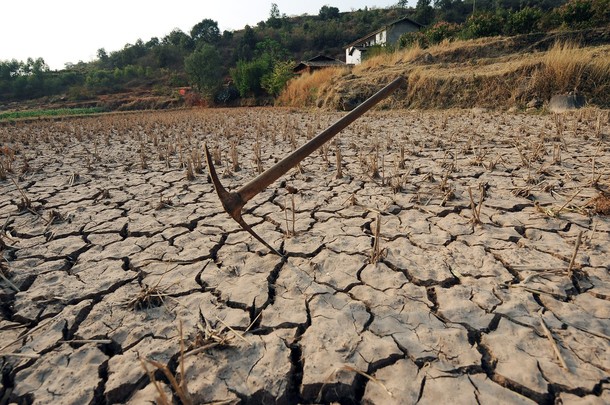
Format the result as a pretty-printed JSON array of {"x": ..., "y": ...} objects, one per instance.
[
  {"x": 304, "y": 90},
  {"x": 569, "y": 67},
  {"x": 389, "y": 59}
]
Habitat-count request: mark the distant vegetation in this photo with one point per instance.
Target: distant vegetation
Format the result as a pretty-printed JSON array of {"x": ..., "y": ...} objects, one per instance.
[
  {"x": 523, "y": 17},
  {"x": 13, "y": 115},
  {"x": 257, "y": 61}
]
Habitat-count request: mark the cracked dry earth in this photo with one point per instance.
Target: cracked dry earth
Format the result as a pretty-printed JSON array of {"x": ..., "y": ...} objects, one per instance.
[{"x": 487, "y": 282}]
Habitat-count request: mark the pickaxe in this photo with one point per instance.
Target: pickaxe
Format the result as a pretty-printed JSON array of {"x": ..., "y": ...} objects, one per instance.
[{"x": 233, "y": 202}]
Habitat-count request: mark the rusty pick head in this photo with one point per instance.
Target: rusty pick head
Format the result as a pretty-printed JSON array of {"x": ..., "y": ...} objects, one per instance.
[{"x": 232, "y": 202}]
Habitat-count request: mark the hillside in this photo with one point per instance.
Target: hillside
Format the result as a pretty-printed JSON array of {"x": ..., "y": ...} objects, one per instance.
[
  {"x": 148, "y": 73},
  {"x": 491, "y": 57},
  {"x": 499, "y": 72}
]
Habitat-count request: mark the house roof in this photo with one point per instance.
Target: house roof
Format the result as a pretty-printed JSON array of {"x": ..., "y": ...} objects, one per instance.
[
  {"x": 372, "y": 34},
  {"x": 318, "y": 61}
]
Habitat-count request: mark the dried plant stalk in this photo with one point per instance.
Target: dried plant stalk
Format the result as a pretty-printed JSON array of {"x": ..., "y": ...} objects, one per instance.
[
  {"x": 143, "y": 163},
  {"x": 197, "y": 161},
  {"x": 217, "y": 155},
  {"x": 476, "y": 209},
  {"x": 258, "y": 156},
  {"x": 376, "y": 252},
  {"x": 190, "y": 174},
  {"x": 339, "y": 167},
  {"x": 234, "y": 157},
  {"x": 293, "y": 216},
  {"x": 401, "y": 161},
  {"x": 179, "y": 385},
  {"x": 286, "y": 217},
  {"x": 573, "y": 259},
  {"x": 551, "y": 339}
]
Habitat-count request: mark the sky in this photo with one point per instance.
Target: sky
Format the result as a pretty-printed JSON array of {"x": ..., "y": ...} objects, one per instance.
[{"x": 69, "y": 31}]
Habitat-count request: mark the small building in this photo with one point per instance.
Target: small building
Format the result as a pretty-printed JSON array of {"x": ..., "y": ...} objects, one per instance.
[
  {"x": 316, "y": 63},
  {"x": 389, "y": 34}
]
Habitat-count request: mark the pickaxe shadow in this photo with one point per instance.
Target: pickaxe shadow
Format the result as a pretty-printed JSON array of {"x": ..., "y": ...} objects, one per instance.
[{"x": 233, "y": 202}]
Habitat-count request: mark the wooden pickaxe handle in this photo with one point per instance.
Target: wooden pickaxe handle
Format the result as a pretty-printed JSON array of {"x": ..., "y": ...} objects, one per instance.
[
  {"x": 233, "y": 202},
  {"x": 270, "y": 175}
]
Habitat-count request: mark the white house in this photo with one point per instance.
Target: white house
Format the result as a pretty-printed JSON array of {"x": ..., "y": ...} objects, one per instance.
[{"x": 389, "y": 34}]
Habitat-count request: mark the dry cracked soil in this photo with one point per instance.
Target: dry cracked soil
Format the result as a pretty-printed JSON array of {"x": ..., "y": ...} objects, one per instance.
[{"x": 457, "y": 255}]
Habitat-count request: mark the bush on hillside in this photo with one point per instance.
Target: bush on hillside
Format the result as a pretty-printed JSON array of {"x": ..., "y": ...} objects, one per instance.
[
  {"x": 442, "y": 31},
  {"x": 577, "y": 13},
  {"x": 412, "y": 39},
  {"x": 523, "y": 21},
  {"x": 484, "y": 24}
]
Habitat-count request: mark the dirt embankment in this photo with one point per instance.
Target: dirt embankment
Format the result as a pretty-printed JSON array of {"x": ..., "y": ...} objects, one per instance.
[{"x": 490, "y": 73}]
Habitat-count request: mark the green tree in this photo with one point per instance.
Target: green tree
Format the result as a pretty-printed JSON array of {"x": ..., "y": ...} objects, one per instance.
[
  {"x": 523, "y": 21},
  {"x": 203, "y": 68},
  {"x": 168, "y": 56},
  {"x": 483, "y": 24},
  {"x": 271, "y": 49},
  {"x": 178, "y": 39},
  {"x": 246, "y": 44},
  {"x": 252, "y": 77},
  {"x": 441, "y": 31},
  {"x": 227, "y": 35},
  {"x": 206, "y": 31},
  {"x": 329, "y": 13},
  {"x": 152, "y": 43},
  {"x": 247, "y": 76},
  {"x": 577, "y": 13},
  {"x": 424, "y": 13},
  {"x": 102, "y": 55},
  {"x": 275, "y": 81},
  {"x": 454, "y": 11},
  {"x": 274, "y": 20}
]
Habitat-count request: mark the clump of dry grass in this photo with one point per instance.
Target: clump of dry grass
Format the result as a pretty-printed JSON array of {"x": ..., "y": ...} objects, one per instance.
[
  {"x": 148, "y": 297},
  {"x": 601, "y": 204},
  {"x": 25, "y": 204},
  {"x": 7, "y": 157},
  {"x": 389, "y": 59},
  {"x": 566, "y": 67},
  {"x": 164, "y": 203},
  {"x": 305, "y": 89},
  {"x": 217, "y": 155},
  {"x": 3, "y": 171}
]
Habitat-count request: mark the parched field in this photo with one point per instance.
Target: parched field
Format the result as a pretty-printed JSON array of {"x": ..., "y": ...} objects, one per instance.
[{"x": 457, "y": 256}]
